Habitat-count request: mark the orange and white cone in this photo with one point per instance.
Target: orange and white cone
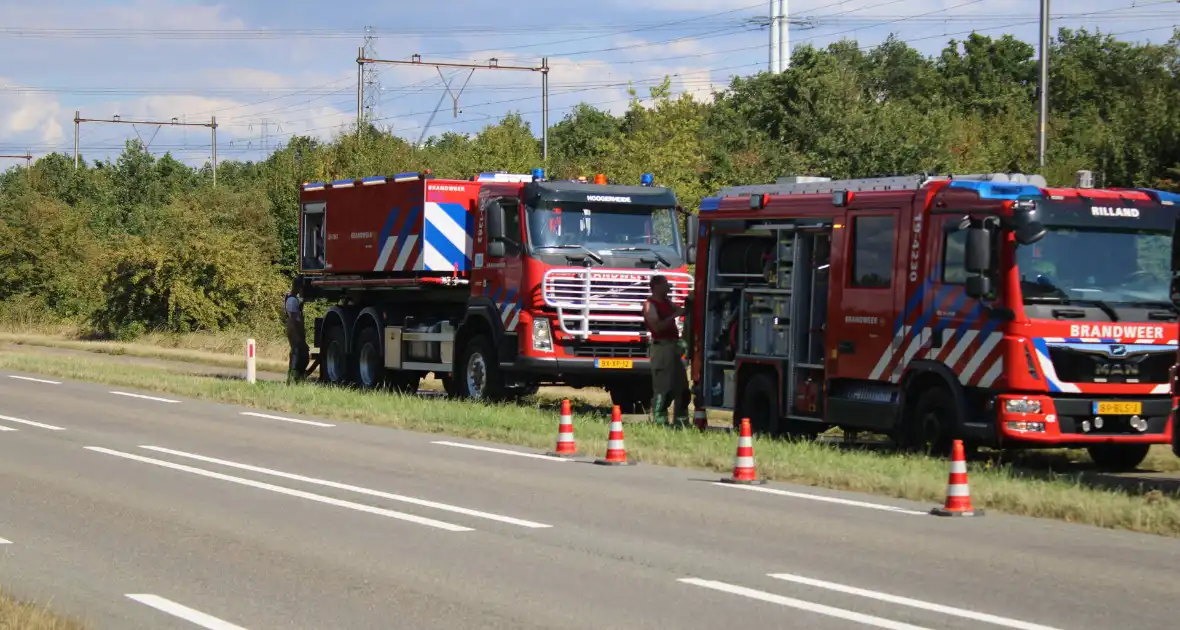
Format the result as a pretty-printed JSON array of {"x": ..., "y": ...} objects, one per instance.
[
  {"x": 700, "y": 419},
  {"x": 743, "y": 463},
  {"x": 616, "y": 452},
  {"x": 566, "y": 446},
  {"x": 958, "y": 494}
]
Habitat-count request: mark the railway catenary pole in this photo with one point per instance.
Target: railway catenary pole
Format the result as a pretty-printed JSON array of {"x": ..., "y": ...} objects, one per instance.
[
  {"x": 1043, "y": 106},
  {"x": 493, "y": 64},
  {"x": 212, "y": 125}
]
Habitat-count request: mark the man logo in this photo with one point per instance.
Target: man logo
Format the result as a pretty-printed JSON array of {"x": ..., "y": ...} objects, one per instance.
[{"x": 1118, "y": 350}]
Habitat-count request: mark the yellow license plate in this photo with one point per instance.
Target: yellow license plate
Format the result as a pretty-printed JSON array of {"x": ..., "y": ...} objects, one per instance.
[
  {"x": 1118, "y": 408},
  {"x": 613, "y": 364}
]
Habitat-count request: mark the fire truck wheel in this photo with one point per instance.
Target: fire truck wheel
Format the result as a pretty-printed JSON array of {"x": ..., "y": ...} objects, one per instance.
[
  {"x": 632, "y": 398},
  {"x": 479, "y": 377},
  {"x": 928, "y": 428},
  {"x": 1118, "y": 457},
  {"x": 334, "y": 358},
  {"x": 758, "y": 405},
  {"x": 370, "y": 365},
  {"x": 404, "y": 382}
]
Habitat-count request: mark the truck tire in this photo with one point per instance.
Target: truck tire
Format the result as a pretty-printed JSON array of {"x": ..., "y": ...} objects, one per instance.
[
  {"x": 404, "y": 382},
  {"x": 478, "y": 374},
  {"x": 632, "y": 398},
  {"x": 929, "y": 428},
  {"x": 759, "y": 403},
  {"x": 368, "y": 362},
  {"x": 1118, "y": 457},
  {"x": 334, "y": 363}
]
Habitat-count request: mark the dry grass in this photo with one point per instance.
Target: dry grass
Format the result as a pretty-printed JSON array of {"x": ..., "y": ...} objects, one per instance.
[
  {"x": 21, "y": 615},
  {"x": 999, "y": 488}
]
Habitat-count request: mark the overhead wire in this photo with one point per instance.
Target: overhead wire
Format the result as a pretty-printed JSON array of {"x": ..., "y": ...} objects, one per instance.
[{"x": 603, "y": 85}]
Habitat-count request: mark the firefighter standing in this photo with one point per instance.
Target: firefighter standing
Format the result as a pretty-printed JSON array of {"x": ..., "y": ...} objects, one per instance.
[
  {"x": 296, "y": 332},
  {"x": 668, "y": 373}
]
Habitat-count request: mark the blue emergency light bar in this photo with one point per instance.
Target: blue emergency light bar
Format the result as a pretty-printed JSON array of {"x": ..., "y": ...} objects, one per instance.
[
  {"x": 999, "y": 190},
  {"x": 504, "y": 177},
  {"x": 647, "y": 179},
  {"x": 1162, "y": 197}
]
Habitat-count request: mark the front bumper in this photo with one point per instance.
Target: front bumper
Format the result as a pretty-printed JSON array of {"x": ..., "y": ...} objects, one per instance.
[
  {"x": 1071, "y": 421},
  {"x": 557, "y": 368}
]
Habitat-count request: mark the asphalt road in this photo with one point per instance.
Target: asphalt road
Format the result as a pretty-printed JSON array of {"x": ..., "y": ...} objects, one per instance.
[{"x": 161, "y": 512}]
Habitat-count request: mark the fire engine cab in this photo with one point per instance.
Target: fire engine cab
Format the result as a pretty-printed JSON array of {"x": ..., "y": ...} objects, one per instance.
[{"x": 989, "y": 308}]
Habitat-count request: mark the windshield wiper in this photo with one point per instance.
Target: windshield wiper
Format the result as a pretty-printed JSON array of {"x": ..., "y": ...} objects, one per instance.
[
  {"x": 595, "y": 257},
  {"x": 1103, "y": 305},
  {"x": 643, "y": 249}
]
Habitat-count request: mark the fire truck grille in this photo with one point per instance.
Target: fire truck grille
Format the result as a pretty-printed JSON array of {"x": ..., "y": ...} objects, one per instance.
[
  {"x": 605, "y": 302},
  {"x": 609, "y": 350},
  {"x": 1079, "y": 366}
]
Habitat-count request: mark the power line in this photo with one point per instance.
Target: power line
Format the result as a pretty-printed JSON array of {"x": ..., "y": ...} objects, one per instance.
[{"x": 212, "y": 124}]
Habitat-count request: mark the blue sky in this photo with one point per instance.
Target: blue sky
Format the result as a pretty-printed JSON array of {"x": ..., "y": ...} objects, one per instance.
[{"x": 270, "y": 69}]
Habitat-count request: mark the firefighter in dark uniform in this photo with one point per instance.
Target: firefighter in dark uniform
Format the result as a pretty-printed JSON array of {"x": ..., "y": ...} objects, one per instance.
[
  {"x": 668, "y": 372},
  {"x": 296, "y": 333}
]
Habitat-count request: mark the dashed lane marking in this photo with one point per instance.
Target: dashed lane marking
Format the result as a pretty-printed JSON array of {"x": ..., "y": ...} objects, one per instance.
[
  {"x": 295, "y": 420},
  {"x": 360, "y": 507},
  {"x": 34, "y": 380},
  {"x": 183, "y": 612},
  {"x": 343, "y": 486},
  {"x": 31, "y": 423},
  {"x": 129, "y": 394},
  {"x": 817, "y": 497},
  {"x": 502, "y": 451}
]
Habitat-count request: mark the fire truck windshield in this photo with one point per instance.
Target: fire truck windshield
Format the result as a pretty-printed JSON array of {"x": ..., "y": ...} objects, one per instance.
[
  {"x": 1097, "y": 266},
  {"x": 605, "y": 228}
]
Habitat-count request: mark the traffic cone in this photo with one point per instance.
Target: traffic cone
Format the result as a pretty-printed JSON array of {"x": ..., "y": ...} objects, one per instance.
[
  {"x": 700, "y": 419},
  {"x": 616, "y": 453},
  {"x": 958, "y": 495},
  {"x": 566, "y": 446},
  {"x": 743, "y": 462}
]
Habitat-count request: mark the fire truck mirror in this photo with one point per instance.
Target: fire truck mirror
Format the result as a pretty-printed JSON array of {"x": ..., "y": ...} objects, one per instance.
[
  {"x": 979, "y": 249},
  {"x": 1029, "y": 228},
  {"x": 691, "y": 231},
  {"x": 495, "y": 216},
  {"x": 979, "y": 286}
]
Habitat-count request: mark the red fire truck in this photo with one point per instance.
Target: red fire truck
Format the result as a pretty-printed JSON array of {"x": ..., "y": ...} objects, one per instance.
[
  {"x": 989, "y": 308},
  {"x": 496, "y": 285}
]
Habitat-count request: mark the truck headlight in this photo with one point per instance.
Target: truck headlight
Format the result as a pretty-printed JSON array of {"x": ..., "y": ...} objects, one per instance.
[
  {"x": 542, "y": 336},
  {"x": 1022, "y": 406}
]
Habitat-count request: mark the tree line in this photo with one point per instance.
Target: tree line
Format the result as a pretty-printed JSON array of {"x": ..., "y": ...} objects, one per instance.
[{"x": 145, "y": 243}]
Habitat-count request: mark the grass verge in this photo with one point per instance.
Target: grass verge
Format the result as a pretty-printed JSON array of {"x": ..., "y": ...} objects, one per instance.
[
  {"x": 20, "y": 615},
  {"x": 923, "y": 479}
]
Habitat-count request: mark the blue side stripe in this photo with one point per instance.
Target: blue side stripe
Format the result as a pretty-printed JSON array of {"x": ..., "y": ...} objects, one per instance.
[
  {"x": 386, "y": 229},
  {"x": 413, "y": 217},
  {"x": 1043, "y": 348},
  {"x": 915, "y": 302},
  {"x": 508, "y": 301},
  {"x": 928, "y": 314},
  {"x": 942, "y": 323},
  {"x": 446, "y": 248},
  {"x": 988, "y": 328},
  {"x": 968, "y": 322}
]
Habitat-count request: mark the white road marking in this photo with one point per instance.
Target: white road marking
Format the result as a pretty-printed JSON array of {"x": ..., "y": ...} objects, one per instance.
[
  {"x": 816, "y": 497},
  {"x": 163, "y": 400},
  {"x": 839, "y": 613},
  {"x": 502, "y": 451},
  {"x": 357, "y": 489},
  {"x": 31, "y": 423},
  {"x": 35, "y": 380},
  {"x": 270, "y": 417},
  {"x": 360, "y": 507},
  {"x": 184, "y": 612},
  {"x": 913, "y": 603},
  {"x": 5, "y": 542},
  {"x": 4, "y": 428}
]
